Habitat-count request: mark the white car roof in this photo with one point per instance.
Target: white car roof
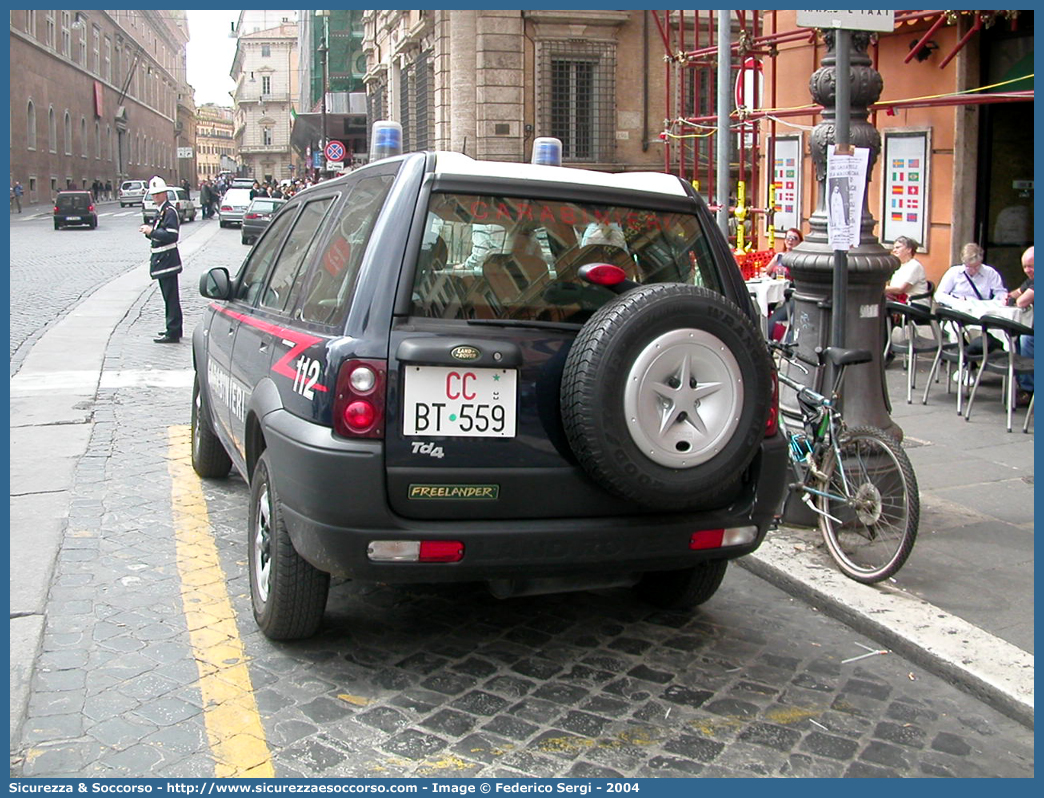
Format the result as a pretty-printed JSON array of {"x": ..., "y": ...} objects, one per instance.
[{"x": 454, "y": 163}]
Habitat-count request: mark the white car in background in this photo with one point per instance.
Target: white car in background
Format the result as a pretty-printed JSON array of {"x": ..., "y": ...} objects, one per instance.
[
  {"x": 233, "y": 205},
  {"x": 132, "y": 192},
  {"x": 186, "y": 208}
]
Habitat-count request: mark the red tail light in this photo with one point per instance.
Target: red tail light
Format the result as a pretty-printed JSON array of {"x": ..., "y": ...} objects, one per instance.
[
  {"x": 772, "y": 424},
  {"x": 56, "y": 209},
  {"x": 358, "y": 410},
  {"x": 251, "y": 216},
  {"x": 707, "y": 539},
  {"x": 226, "y": 207},
  {"x": 441, "y": 551},
  {"x": 90, "y": 208}
]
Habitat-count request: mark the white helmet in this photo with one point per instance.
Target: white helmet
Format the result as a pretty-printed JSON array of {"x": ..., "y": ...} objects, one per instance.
[{"x": 157, "y": 186}]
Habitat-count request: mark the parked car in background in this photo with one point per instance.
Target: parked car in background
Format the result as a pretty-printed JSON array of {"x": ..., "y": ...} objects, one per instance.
[
  {"x": 74, "y": 207},
  {"x": 242, "y": 182},
  {"x": 257, "y": 217},
  {"x": 186, "y": 207},
  {"x": 233, "y": 205},
  {"x": 564, "y": 415},
  {"x": 132, "y": 192}
]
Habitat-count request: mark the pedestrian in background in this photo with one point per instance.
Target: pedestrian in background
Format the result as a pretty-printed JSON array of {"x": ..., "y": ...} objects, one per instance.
[
  {"x": 909, "y": 280},
  {"x": 164, "y": 258},
  {"x": 1022, "y": 297},
  {"x": 108, "y": 189},
  {"x": 16, "y": 195},
  {"x": 205, "y": 198},
  {"x": 971, "y": 278}
]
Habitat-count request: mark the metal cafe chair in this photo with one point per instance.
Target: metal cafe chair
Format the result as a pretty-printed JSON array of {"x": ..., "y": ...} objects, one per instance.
[
  {"x": 1009, "y": 366},
  {"x": 955, "y": 352},
  {"x": 912, "y": 344}
]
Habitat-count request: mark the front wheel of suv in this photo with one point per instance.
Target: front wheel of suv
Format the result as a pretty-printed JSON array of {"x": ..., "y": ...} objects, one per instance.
[
  {"x": 684, "y": 589},
  {"x": 288, "y": 594},
  {"x": 209, "y": 458}
]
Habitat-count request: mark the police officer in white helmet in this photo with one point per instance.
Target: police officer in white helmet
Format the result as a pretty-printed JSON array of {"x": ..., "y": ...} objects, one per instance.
[{"x": 165, "y": 260}]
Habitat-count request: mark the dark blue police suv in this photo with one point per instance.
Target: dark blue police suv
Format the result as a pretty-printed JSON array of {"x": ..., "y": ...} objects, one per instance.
[{"x": 440, "y": 369}]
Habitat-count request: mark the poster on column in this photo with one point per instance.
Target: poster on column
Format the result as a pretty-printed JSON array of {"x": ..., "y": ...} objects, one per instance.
[
  {"x": 786, "y": 174},
  {"x": 845, "y": 187},
  {"x": 905, "y": 204}
]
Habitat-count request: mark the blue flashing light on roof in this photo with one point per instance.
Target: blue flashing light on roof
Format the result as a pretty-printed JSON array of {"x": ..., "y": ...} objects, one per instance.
[
  {"x": 386, "y": 140},
  {"x": 547, "y": 151}
]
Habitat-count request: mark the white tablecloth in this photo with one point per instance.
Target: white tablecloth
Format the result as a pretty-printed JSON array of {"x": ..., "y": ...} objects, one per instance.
[
  {"x": 766, "y": 292},
  {"x": 993, "y": 307}
]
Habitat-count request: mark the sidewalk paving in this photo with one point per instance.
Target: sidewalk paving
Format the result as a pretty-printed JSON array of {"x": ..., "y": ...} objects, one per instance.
[{"x": 962, "y": 605}]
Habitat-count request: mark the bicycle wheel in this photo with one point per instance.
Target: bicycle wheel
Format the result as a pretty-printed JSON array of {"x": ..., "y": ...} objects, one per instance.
[{"x": 873, "y": 507}]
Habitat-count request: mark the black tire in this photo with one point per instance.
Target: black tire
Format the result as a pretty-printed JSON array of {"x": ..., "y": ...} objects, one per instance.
[
  {"x": 57, "y": 226},
  {"x": 874, "y": 532},
  {"x": 683, "y": 589},
  {"x": 288, "y": 594},
  {"x": 244, "y": 240},
  {"x": 222, "y": 224},
  {"x": 626, "y": 363},
  {"x": 94, "y": 223},
  {"x": 209, "y": 458}
]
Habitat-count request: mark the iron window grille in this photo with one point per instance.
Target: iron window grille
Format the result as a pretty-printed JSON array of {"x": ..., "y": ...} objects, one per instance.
[
  {"x": 406, "y": 81},
  {"x": 578, "y": 91}
]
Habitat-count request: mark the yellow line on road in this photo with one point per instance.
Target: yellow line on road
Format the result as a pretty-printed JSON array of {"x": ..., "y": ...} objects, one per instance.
[{"x": 234, "y": 730}]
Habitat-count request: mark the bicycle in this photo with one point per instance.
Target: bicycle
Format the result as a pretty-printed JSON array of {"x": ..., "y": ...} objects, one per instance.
[{"x": 858, "y": 481}]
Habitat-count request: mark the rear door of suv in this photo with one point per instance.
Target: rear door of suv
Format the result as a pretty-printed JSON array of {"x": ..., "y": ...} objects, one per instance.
[{"x": 477, "y": 353}]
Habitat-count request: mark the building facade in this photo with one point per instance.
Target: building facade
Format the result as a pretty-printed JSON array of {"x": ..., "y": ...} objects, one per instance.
[
  {"x": 96, "y": 97},
  {"x": 487, "y": 83},
  {"x": 331, "y": 58},
  {"x": 266, "y": 76},
  {"x": 215, "y": 144},
  {"x": 956, "y": 123}
]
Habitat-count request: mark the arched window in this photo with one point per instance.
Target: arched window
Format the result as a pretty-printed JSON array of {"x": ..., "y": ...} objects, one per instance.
[
  {"x": 83, "y": 137},
  {"x": 97, "y": 139},
  {"x": 30, "y": 125},
  {"x": 108, "y": 141},
  {"x": 67, "y": 130},
  {"x": 52, "y": 133}
]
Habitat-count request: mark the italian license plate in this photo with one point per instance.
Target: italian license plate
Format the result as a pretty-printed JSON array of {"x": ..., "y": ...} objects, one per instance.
[
  {"x": 460, "y": 402},
  {"x": 72, "y": 218}
]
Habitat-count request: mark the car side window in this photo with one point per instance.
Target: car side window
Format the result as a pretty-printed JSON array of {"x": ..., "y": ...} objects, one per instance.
[
  {"x": 299, "y": 244},
  {"x": 252, "y": 276},
  {"x": 325, "y": 297}
]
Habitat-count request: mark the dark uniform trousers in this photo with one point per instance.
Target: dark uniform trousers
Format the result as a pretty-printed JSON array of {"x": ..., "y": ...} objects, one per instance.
[{"x": 168, "y": 285}]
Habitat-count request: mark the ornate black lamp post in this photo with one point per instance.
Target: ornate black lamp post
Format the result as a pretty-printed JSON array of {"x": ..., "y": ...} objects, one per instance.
[{"x": 869, "y": 265}]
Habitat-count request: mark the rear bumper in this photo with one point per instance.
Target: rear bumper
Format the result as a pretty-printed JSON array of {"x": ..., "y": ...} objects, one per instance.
[{"x": 335, "y": 503}]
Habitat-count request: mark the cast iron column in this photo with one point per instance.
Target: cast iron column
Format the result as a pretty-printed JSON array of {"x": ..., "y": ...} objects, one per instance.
[{"x": 869, "y": 264}]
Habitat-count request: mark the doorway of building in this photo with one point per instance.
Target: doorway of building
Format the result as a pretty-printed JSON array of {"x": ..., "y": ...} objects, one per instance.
[{"x": 1004, "y": 200}]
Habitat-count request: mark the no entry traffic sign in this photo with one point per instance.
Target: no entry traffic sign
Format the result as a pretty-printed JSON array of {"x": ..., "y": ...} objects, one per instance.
[{"x": 334, "y": 151}]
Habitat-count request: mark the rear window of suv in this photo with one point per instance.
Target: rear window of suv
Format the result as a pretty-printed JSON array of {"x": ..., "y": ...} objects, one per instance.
[{"x": 499, "y": 258}]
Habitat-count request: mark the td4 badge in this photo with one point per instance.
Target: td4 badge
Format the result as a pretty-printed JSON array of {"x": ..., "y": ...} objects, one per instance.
[{"x": 430, "y": 449}]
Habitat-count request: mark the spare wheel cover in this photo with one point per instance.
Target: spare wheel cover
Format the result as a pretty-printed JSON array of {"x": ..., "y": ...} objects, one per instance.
[{"x": 665, "y": 395}]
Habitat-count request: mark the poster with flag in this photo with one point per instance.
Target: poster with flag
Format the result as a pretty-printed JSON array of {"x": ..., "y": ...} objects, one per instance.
[
  {"x": 905, "y": 185},
  {"x": 787, "y": 177}
]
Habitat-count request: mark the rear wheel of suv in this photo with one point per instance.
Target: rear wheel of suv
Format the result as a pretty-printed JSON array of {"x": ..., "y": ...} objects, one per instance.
[
  {"x": 684, "y": 589},
  {"x": 665, "y": 395},
  {"x": 209, "y": 458},
  {"x": 288, "y": 594}
]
